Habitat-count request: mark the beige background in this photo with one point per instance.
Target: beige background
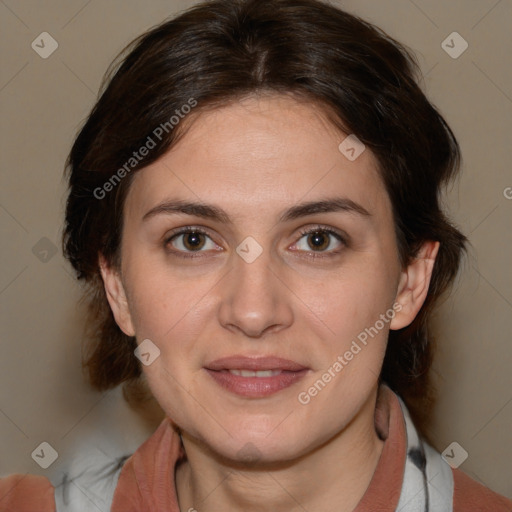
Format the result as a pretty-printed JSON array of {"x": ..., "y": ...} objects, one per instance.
[{"x": 44, "y": 101}]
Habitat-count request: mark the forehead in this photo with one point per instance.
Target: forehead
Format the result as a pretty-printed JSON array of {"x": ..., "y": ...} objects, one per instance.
[{"x": 259, "y": 153}]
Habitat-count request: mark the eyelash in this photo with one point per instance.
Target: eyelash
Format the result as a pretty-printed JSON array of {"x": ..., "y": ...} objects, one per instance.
[{"x": 311, "y": 254}]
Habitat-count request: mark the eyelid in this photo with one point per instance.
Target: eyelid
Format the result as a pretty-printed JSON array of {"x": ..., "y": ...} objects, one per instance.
[
  {"x": 185, "y": 229},
  {"x": 341, "y": 235}
]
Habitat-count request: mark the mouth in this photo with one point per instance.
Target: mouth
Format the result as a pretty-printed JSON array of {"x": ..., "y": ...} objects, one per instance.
[{"x": 255, "y": 377}]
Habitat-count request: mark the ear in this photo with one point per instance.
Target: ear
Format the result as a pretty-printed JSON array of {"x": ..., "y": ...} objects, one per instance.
[
  {"x": 116, "y": 296},
  {"x": 413, "y": 285}
]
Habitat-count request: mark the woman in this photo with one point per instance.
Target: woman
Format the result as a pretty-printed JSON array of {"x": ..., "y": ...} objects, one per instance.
[{"x": 254, "y": 204}]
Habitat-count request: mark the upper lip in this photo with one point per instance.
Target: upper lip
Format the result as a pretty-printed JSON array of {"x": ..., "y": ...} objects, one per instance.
[{"x": 254, "y": 363}]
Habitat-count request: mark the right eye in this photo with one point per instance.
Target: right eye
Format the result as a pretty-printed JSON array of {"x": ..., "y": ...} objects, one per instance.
[{"x": 189, "y": 240}]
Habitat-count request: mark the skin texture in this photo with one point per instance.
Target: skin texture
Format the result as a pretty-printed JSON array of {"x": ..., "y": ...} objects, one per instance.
[{"x": 254, "y": 159}]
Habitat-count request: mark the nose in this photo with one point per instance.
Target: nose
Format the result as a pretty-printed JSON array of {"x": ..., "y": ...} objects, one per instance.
[{"x": 254, "y": 299}]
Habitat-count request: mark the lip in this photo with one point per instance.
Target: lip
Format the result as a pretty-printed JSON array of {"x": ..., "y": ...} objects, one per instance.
[
  {"x": 239, "y": 362},
  {"x": 255, "y": 387}
]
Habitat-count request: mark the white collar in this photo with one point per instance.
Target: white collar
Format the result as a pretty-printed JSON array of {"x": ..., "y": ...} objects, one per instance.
[{"x": 428, "y": 479}]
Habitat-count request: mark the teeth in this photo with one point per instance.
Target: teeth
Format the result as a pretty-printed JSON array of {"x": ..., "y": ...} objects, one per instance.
[{"x": 251, "y": 373}]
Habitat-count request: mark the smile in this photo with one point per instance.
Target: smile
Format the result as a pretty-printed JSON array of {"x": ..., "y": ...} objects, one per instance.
[{"x": 252, "y": 373}]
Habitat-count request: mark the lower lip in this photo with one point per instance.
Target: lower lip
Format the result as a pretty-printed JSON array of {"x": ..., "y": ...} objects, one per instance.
[{"x": 256, "y": 387}]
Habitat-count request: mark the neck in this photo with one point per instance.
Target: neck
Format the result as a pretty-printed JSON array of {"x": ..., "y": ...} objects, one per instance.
[{"x": 333, "y": 477}]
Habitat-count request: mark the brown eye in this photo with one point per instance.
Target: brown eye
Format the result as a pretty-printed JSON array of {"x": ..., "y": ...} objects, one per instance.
[
  {"x": 318, "y": 240},
  {"x": 193, "y": 241},
  {"x": 190, "y": 240}
]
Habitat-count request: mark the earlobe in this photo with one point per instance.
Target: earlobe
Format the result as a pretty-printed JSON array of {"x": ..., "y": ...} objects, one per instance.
[
  {"x": 116, "y": 296},
  {"x": 413, "y": 285}
]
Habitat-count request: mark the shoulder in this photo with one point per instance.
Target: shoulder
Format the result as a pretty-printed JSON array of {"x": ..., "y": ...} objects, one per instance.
[
  {"x": 26, "y": 493},
  {"x": 89, "y": 480},
  {"x": 470, "y": 495}
]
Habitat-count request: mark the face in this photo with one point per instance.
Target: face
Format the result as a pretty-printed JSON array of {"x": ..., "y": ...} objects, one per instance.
[{"x": 288, "y": 260}]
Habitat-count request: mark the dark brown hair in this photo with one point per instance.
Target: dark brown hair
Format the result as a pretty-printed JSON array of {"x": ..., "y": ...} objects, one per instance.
[{"x": 218, "y": 52}]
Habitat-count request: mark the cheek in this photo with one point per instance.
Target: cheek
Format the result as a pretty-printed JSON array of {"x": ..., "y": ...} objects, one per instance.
[
  {"x": 163, "y": 302},
  {"x": 349, "y": 300}
]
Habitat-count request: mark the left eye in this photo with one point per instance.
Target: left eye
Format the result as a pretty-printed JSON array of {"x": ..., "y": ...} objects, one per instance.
[{"x": 319, "y": 240}]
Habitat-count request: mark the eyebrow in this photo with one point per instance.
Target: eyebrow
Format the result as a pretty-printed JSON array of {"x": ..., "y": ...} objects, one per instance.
[{"x": 208, "y": 211}]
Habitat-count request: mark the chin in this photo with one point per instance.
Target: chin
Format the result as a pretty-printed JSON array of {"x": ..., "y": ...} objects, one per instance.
[{"x": 259, "y": 450}]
